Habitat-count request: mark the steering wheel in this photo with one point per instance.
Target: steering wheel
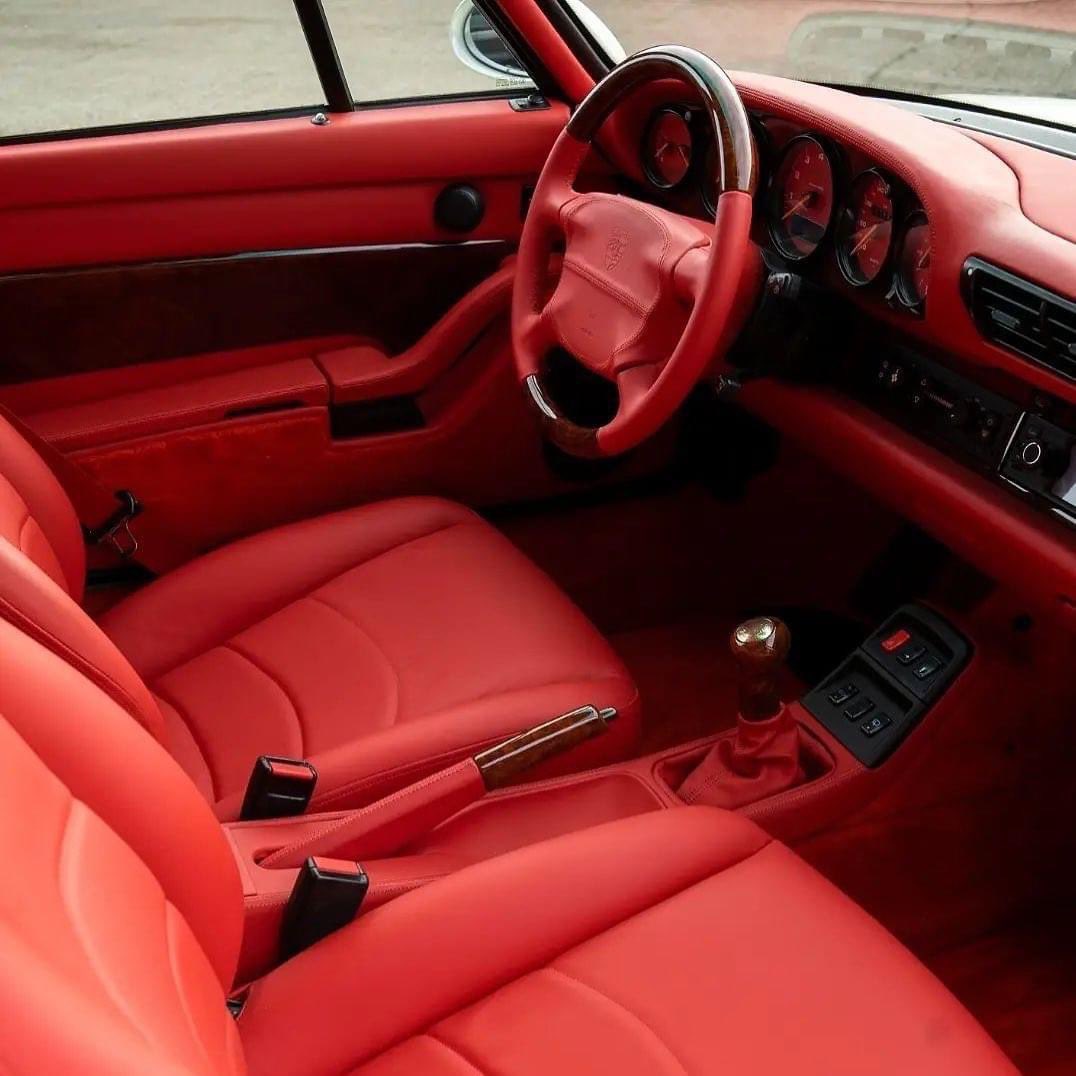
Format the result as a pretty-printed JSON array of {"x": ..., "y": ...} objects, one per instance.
[{"x": 646, "y": 297}]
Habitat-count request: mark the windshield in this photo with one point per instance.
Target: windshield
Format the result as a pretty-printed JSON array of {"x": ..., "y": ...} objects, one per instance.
[{"x": 1016, "y": 56}]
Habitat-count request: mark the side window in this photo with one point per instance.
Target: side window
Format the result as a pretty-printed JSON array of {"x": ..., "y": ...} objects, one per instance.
[
  {"x": 98, "y": 63},
  {"x": 71, "y": 66},
  {"x": 420, "y": 48}
]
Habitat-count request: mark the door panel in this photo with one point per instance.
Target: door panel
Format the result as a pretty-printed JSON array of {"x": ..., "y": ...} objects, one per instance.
[
  {"x": 368, "y": 177},
  {"x": 252, "y": 323}
]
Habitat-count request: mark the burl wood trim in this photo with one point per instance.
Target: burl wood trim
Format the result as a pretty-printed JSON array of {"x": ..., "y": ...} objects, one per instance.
[
  {"x": 79, "y": 320},
  {"x": 502, "y": 764},
  {"x": 760, "y": 647}
]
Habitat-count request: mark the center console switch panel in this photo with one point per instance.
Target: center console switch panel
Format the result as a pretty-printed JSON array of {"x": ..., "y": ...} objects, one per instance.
[{"x": 878, "y": 694}]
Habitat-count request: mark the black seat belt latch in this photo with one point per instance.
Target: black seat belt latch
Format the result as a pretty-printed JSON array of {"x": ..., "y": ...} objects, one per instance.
[
  {"x": 117, "y": 528},
  {"x": 278, "y": 787},
  {"x": 327, "y": 896}
]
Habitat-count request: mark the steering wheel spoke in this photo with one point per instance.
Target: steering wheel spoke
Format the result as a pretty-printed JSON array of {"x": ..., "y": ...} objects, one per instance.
[{"x": 634, "y": 385}]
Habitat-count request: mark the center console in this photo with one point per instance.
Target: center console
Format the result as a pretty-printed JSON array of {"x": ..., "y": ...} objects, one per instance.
[{"x": 792, "y": 766}]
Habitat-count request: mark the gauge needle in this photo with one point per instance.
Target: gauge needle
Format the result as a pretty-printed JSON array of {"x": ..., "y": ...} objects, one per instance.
[
  {"x": 681, "y": 150},
  {"x": 867, "y": 233},
  {"x": 797, "y": 207}
]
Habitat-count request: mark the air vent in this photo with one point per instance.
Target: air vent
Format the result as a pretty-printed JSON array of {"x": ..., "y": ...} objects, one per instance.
[{"x": 1022, "y": 317}]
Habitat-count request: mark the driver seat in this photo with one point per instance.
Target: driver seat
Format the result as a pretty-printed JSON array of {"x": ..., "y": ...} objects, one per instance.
[{"x": 380, "y": 643}]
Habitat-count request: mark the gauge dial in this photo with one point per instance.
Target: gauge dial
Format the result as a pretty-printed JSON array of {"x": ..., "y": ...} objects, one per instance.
[
  {"x": 667, "y": 148},
  {"x": 913, "y": 268},
  {"x": 801, "y": 199},
  {"x": 865, "y": 232}
]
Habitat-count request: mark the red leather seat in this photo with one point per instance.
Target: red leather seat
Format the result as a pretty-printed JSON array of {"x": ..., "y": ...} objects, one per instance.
[
  {"x": 380, "y": 642},
  {"x": 681, "y": 941}
]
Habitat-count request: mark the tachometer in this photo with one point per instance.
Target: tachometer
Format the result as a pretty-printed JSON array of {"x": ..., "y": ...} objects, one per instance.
[
  {"x": 667, "y": 148},
  {"x": 865, "y": 229},
  {"x": 913, "y": 265},
  {"x": 801, "y": 198}
]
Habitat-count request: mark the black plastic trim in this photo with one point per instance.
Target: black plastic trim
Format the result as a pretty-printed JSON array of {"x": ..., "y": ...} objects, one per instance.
[
  {"x": 975, "y": 268},
  {"x": 892, "y": 686},
  {"x": 375, "y": 418},
  {"x": 319, "y": 40},
  {"x": 544, "y": 82},
  {"x": 577, "y": 38},
  {"x": 149, "y": 126}
]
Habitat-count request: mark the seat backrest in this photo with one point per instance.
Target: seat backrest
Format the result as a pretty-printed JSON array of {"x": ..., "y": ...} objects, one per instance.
[
  {"x": 121, "y": 905},
  {"x": 36, "y": 515},
  {"x": 40, "y": 607}
]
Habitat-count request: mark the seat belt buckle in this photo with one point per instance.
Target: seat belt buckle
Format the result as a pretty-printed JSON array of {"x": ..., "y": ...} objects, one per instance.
[
  {"x": 327, "y": 895},
  {"x": 116, "y": 530},
  {"x": 278, "y": 787}
]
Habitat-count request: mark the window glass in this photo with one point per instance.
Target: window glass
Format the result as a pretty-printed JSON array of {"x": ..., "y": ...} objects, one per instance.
[
  {"x": 67, "y": 64},
  {"x": 419, "y": 48},
  {"x": 1013, "y": 57}
]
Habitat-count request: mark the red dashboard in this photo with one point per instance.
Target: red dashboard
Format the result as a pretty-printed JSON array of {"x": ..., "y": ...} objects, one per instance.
[{"x": 951, "y": 260}]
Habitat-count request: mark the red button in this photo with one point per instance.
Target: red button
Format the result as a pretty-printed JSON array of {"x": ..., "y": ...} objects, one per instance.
[{"x": 895, "y": 641}]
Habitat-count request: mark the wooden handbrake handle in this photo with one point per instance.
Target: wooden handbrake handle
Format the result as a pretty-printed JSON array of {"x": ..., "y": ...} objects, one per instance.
[{"x": 501, "y": 764}]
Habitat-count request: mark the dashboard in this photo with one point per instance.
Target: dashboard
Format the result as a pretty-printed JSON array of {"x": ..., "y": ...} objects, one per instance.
[
  {"x": 818, "y": 200},
  {"x": 932, "y": 273}
]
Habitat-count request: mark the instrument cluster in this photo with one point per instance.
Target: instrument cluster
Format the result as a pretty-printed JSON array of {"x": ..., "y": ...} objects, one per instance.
[{"x": 819, "y": 203}]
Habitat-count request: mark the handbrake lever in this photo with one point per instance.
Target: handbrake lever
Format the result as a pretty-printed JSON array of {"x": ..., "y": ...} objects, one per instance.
[{"x": 383, "y": 827}]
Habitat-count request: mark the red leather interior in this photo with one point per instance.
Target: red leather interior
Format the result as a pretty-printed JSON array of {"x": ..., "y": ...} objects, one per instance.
[
  {"x": 1000, "y": 535},
  {"x": 973, "y": 200},
  {"x": 380, "y": 643},
  {"x": 671, "y": 942},
  {"x": 760, "y": 760},
  {"x": 1045, "y": 183},
  {"x": 367, "y": 177},
  {"x": 389, "y": 824},
  {"x": 110, "y": 764},
  {"x": 367, "y": 373},
  {"x": 620, "y": 302},
  {"x": 207, "y": 481},
  {"x": 36, "y": 516},
  {"x": 665, "y": 940},
  {"x": 42, "y": 609},
  {"x": 198, "y": 401}
]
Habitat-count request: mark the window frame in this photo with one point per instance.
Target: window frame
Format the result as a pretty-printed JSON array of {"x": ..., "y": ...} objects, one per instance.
[{"x": 321, "y": 47}]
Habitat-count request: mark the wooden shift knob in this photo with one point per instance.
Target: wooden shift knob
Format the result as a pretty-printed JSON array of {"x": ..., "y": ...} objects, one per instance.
[{"x": 760, "y": 647}]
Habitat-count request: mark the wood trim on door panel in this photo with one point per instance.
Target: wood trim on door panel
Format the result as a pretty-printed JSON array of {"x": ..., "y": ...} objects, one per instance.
[{"x": 67, "y": 322}]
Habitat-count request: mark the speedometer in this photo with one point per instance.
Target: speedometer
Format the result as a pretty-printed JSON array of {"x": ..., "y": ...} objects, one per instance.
[
  {"x": 865, "y": 230},
  {"x": 801, "y": 198}
]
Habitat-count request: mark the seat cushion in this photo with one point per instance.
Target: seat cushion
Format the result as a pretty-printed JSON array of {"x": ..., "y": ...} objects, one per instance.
[
  {"x": 680, "y": 941},
  {"x": 380, "y": 643}
]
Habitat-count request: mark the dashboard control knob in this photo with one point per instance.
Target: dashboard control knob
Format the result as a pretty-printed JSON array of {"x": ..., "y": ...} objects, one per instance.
[{"x": 1031, "y": 453}]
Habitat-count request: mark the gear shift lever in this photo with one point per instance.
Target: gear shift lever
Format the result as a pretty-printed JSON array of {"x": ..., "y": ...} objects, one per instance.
[
  {"x": 760, "y": 647},
  {"x": 762, "y": 756}
]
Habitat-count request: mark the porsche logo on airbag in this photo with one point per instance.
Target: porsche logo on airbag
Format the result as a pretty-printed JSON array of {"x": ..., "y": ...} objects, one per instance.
[{"x": 615, "y": 248}]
